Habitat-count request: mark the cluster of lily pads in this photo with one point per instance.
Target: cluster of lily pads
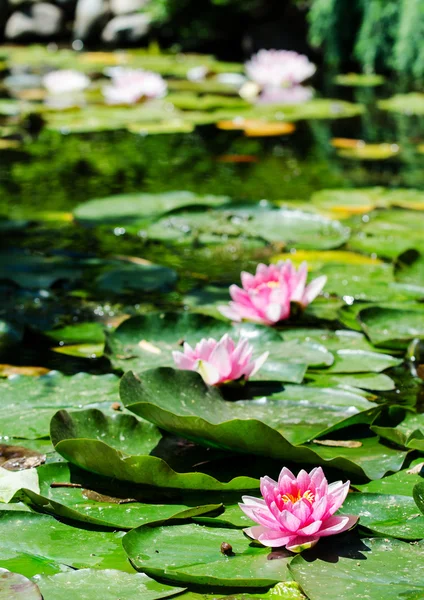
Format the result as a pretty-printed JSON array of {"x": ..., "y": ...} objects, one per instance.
[
  {"x": 129, "y": 482},
  {"x": 148, "y": 92}
]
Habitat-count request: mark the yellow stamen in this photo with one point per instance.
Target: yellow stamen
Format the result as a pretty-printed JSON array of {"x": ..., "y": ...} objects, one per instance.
[
  {"x": 308, "y": 495},
  {"x": 273, "y": 284}
]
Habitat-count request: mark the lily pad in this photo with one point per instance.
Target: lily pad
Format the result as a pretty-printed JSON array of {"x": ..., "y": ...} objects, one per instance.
[
  {"x": 199, "y": 559},
  {"x": 386, "y": 514},
  {"x": 28, "y": 404},
  {"x": 41, "y": 535},
  {"x": 12, "y": 481},
  {"x": 406, "y": 104},
  {"x": 373, "y": 568},
  {"x": 91, "y": 441},
  {"x": 85, "y": 505},
  {"x": 392, "y": 327},
  {"x": 180, "y": 402},
  {"x": 142, "y": 342},
  {"x": 293, "y": 227},
  {"x": 17, "y": 587},
  {"x": 112, "y": 584},
  {"x": 400, "y": 483},
  {"x": 125, "y": 208},
  {"x": 359, "y": 79}
]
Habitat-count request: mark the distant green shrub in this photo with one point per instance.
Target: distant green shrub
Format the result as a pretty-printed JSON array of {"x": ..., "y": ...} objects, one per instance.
[{"x": 380, "y": 34}]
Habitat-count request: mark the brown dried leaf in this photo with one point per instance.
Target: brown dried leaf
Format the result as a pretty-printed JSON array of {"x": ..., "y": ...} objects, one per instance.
[{"x": 339, "y": 443}]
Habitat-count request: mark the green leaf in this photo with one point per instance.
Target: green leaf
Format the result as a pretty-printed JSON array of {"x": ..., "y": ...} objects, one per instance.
[
  {"x": 191, "y": 554},
  {"x": 362, "y": 361},
  {"x": 11, "y": 482},
  {"x": 400, "y": 483},
  {"x": 110, "y": 448},
  {"x": 364, "y": 381},
  {"x": 286, "y": 590},
  {"x": 358, "y": 569},
  {"x": 418, "y": 494},
  {"x": 87, "y": 584},
  {"x": 180, "y": 402},
  {"x": 359, "y": 79},
  {"x": 85, "y": 505},
  {"x": 391, "y": 327},
  {"x": 43, "y": 536},
  {"x": 145, "y": 341},
  {"x": 137, "y": 278},
  {"x": 124, "y": 208},
  {"x": 386, "y": 514},
  {"x": 297, "y": 228},
  {"x": 27, "y": 403},
  {"x": 407, "y": 104},
  {"x": 17, "y": 587}
]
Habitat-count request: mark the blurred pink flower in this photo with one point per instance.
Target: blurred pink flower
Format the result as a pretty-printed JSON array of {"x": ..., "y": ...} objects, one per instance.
[
  {"x": 296, "y": 94},
  {"x": 297, "y": 511},
  {"x": 279, "y": 68},
  {"x": 132, "y": 85},
  {"x": 219, "y": 362},
  {"x": 266, "y": 296},
  {"x": 65, "y": 82}
]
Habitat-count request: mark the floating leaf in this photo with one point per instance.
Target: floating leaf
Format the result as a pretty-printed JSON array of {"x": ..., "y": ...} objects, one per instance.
[
  {"x": 373, "y": 568},
  {"x": 109, "y": 447},
  {"x": 111, "y": 584},
  {"x": 199, "y": 559},
  {"x": 359, "y": 79},
  {"x": 28, "y": 404},
  {"x": 11, "y": 481},
  {"x": 17, "y": 587}
]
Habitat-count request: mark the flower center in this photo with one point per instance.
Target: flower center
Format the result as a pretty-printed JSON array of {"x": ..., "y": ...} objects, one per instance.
[
  {"x": 273, "y": 284},
  {"x": 308, "y": 495}
]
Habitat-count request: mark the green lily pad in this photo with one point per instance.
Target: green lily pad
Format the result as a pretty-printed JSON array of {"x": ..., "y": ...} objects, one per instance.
[
  {"x": 359, "y": 79},
  {"x": 80, "y": 333},
  {"x": 199, "y": 559},
  {"x": 17, "y": 587},
  {"x": 148, "y": 341},
  {"x": 418, "y": 494},
  {"x": 180, "y": 402},
  {"x": 392, "y": 327},
  {"x": 408, "y": 433},
  {"x": 400, "y": 483},
  {"x": 373, "y": 568},
  {"x": 294, "y": 227},
  {"x": 108, "y": 447},
  {"x": 29, "y": 403},
  {"x": 125, "y": 208},
  {"x": 389, "y": 233},
  {"x": 285, "y": 590},
  {"x": 406, "y": 104},
  {"x": 362, "y": 361},
  {"x": 386, "y": 514},
  {"x": 87, "y": 506},
  {"x": 41, "y": 535},
  {"x": 187, "y": 406},
  {"x": 111, "y": 584},
  {"x": 365, "y": 381},
  {"x": 137, "y": 278}
]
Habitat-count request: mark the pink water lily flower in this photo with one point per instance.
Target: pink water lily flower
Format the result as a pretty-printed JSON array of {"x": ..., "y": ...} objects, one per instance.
[
  {"x": 133, "y": 85},
  {"x": 296, "y": 511},
  {"x": 297, "y": 94},
  {"x": 279, "y": 68},
  {"x": 266, "y": 297},
  {"x": 65, "y": 81},
  {"x": 220, "y": 362}
]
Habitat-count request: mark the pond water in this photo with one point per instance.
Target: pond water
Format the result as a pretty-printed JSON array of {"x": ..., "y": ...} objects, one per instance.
[{"x": 121, "y": 232}]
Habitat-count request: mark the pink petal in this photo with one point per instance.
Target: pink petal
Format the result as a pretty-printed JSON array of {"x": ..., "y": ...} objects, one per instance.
[
  {"x": 230, "y": 312},
  {"x": 289, "y": 521},
  {"x": 300, "y": 543},
  {"x": 258, "y": 364},
  {"x": 285, "y": 472},
  {"x": 311, "y": 528},
  {"x": 337, "y": 524},
  {"x": 209, "y": 372},
  {"x": 184, "y": 362},
  {"x": 337, "y": 495},
  {"x": 313, "y": 289},
  {"x": 268, "y": 537}
]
